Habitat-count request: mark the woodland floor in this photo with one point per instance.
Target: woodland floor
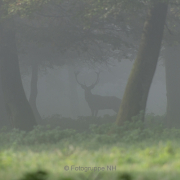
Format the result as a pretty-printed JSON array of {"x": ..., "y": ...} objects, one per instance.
[{"x": 43, "y": 155}]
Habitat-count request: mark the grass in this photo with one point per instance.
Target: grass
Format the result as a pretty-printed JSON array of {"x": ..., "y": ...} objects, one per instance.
[
  {"x": 141, "y": 159},
  {"x": 132, "y": 154}
]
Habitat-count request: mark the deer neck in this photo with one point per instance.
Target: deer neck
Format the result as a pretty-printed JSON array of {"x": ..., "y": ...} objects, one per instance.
[{"x": 88, "y": 95}]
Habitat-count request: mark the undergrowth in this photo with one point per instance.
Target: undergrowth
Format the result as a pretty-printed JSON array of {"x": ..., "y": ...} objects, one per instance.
[{"x": 96, "y": 131}]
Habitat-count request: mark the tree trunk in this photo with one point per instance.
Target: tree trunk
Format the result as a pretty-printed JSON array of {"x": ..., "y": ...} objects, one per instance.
[
  {"x": 74, "y": 101},
  {"x": 34, "y": 92},
  {"x": 172, "y": 64},
  {"x": 3, "y": 113},
  {"x": 14, "y": 95},
  {"x": 139, "y": 82}
]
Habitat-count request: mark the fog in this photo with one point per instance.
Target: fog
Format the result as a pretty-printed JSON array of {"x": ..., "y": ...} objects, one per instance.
[
  {"x": 71, "y": 68},
  {"x": 54, "y": 89},
  {"x": 89, "y": 89}
]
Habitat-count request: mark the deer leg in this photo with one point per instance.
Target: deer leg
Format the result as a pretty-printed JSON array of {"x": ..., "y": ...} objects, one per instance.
[{"x": 96, "y": 112}]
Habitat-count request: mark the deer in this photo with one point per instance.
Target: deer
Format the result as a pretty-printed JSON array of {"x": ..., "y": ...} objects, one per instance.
[{"x": 98, "y": 102}]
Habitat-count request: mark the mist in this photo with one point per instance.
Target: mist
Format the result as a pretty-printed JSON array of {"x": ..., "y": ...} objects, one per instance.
[
  {"x": 89, "y": 89},
  {"x": 53, "y": 88}
]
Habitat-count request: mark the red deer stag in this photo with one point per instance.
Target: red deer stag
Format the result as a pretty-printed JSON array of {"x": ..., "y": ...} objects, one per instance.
[{"x": 98, "y": 102}]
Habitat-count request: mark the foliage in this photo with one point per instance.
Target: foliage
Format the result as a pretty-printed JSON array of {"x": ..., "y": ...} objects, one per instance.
[{"x": 21, "y": 7}]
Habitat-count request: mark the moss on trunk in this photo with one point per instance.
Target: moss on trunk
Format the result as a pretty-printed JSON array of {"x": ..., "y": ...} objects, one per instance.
[{"x": 139, "y": 82}]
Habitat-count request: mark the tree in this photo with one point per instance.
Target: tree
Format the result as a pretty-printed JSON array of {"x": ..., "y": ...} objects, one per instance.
[
  {"x": 80, "y": 39},
  {"x": 34, "y": 91},
  {"x": 139, "y": 82},
  {"x": 172, "y": 66},
  {"x": 92, "y": 44},
  {"x": 14, "y": 95},
  {"x": 74, "y": 101},
  {"x": 3, "y": 113},
  {"x": 36, "y": 59}
]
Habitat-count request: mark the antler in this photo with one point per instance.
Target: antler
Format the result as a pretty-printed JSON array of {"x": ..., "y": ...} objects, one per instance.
[
  {"x": 97, "y": 80},
  {"x": 84, "y": 86},
  {"x": 76, "y": 74}
]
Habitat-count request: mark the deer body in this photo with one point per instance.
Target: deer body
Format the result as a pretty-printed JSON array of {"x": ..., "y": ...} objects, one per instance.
[{"x": 98, "y": 102}]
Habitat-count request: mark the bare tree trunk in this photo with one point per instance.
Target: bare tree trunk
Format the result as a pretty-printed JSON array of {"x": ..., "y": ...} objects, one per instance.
[
  {"x": 139, "y": 82},
  {"x": 34, "y": 92},
  {"x": 172, "y": 64},
  {"x": 74, "y": 101},
  {"x": 14, "y": 95}
]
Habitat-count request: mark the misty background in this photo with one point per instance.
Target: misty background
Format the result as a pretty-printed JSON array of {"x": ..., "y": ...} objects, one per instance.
[{"x": 54, "y": 85}]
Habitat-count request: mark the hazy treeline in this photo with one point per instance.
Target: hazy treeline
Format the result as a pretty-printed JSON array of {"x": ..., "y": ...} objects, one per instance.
[{"x": 87, "y": 37}]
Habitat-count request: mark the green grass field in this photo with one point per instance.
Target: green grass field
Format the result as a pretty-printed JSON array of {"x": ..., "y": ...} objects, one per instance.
[{"x": 131, "y": 153}]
